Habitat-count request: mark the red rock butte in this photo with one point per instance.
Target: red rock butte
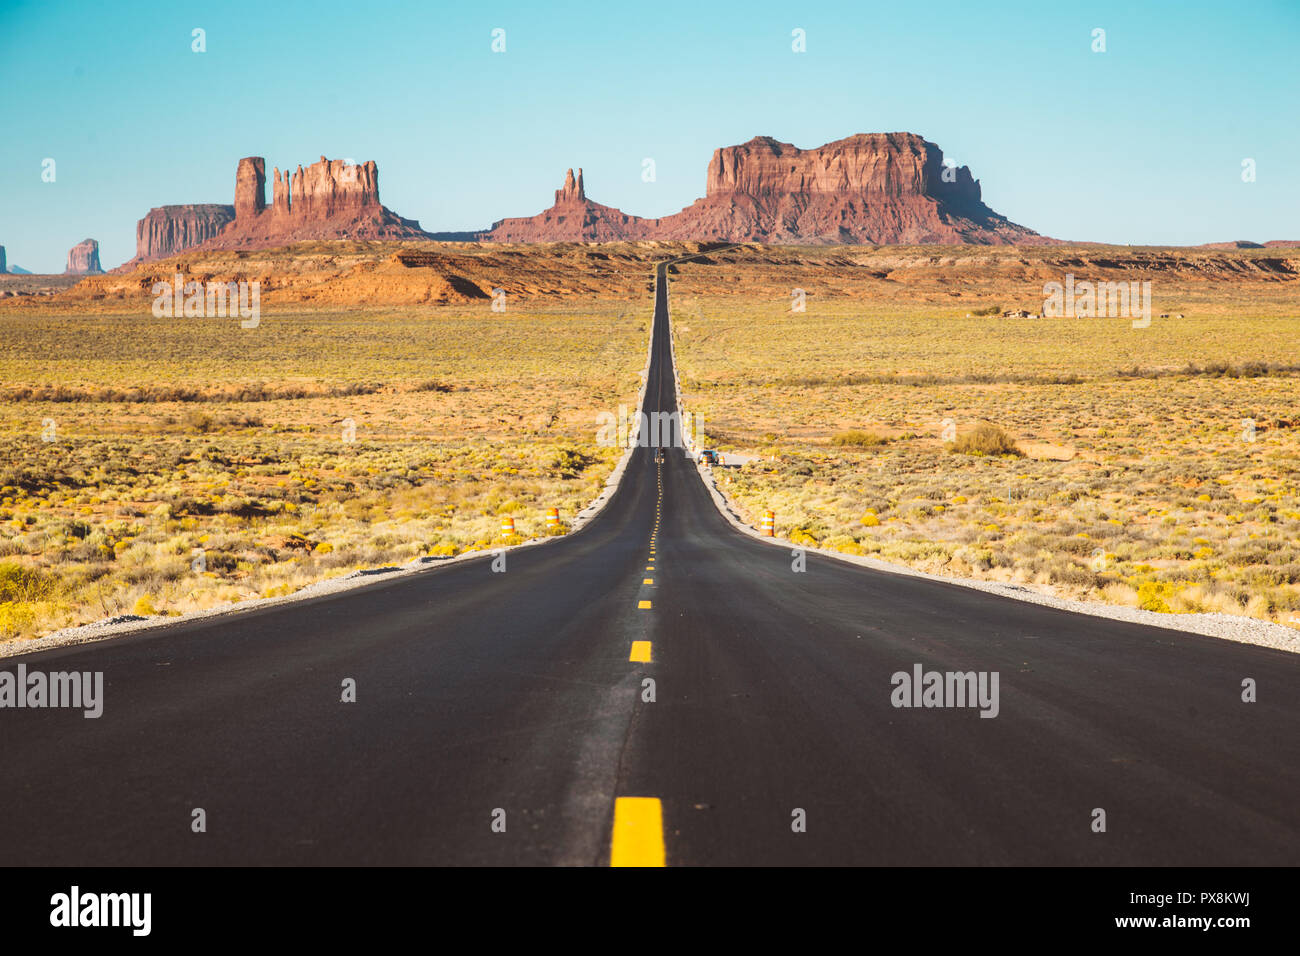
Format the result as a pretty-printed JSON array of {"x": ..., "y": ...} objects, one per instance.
[
  {"x": 330, "y": 199},
  {"x": 83, "y": 259},
  {"x": 574, "y": 217}
]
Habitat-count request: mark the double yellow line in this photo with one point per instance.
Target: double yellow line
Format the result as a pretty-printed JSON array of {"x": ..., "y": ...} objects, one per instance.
[{"x": 638, "y": 834}]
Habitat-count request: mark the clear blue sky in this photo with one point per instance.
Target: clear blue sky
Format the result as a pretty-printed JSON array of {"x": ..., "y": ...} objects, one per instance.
[{"x": 1141, "y": 144}]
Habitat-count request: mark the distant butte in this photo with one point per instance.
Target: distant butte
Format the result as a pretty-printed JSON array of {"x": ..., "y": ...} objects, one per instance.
[
  {"x": 1247, "y": 244},
  {"x": 83, "y": 259}
]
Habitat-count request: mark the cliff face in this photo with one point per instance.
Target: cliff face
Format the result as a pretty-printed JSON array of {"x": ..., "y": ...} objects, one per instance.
[
  {"x": 878, "y": 165},
  {"x": 886, "y": 188},
  {"x": 331, "y": 188},
  {"x": 83, "y": 258},
  {"x": 166, "y": 230}
]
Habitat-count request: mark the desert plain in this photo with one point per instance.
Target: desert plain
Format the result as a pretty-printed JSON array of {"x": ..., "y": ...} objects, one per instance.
[{"x": 397, "y": 400}]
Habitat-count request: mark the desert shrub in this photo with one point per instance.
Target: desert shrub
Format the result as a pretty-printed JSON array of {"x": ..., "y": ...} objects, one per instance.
[
  {"x": 198, "y": 421},
  {"x": 1155, "y": 595},
  {"x": 15, "y": 618},
  {"x": 985, "y": 440},
  {"x": 570, "y": 462},
  {"x": 20, "y": 583},
  {"x": 1073, "y": 574},
  {"x": 921, "y": 550},
  {"x": 861, "y": 439}
]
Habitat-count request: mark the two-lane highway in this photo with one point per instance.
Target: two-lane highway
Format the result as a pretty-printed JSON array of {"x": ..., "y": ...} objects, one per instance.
[{"x": 506, "y": 718}]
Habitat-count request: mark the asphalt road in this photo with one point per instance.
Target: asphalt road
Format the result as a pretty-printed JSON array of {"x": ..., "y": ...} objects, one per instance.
[{"x": 480, "y": 692}]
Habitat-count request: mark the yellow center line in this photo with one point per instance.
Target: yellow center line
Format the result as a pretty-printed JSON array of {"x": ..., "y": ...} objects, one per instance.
[
  {"x": 638, "y": 837},
  {"x": 648, "y": 581},
  {"x": 643, "y": 606},
  {"x": 640, "y": 652}
]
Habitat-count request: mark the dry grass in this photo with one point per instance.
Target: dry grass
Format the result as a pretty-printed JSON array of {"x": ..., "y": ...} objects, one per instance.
[
  {"x": 858, "y": 438},
  {"x": 1136, "y": 480},
  {"x": 194, "y": 463}
]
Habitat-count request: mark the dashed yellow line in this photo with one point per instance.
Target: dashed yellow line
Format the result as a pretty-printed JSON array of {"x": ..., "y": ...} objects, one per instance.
[
  {"x": 638, "y": 838},
  {"x": 640, "y": 652},
  {"x": 643, "y": 605},
  {"x": 648, "y": 581}
]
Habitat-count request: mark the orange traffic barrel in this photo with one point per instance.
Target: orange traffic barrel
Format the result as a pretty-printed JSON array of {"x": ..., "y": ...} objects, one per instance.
[
  {"x": 552, "y": 518},
  {"x": 507, "y": 527},
  {"x": 769, "y": 523}
]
